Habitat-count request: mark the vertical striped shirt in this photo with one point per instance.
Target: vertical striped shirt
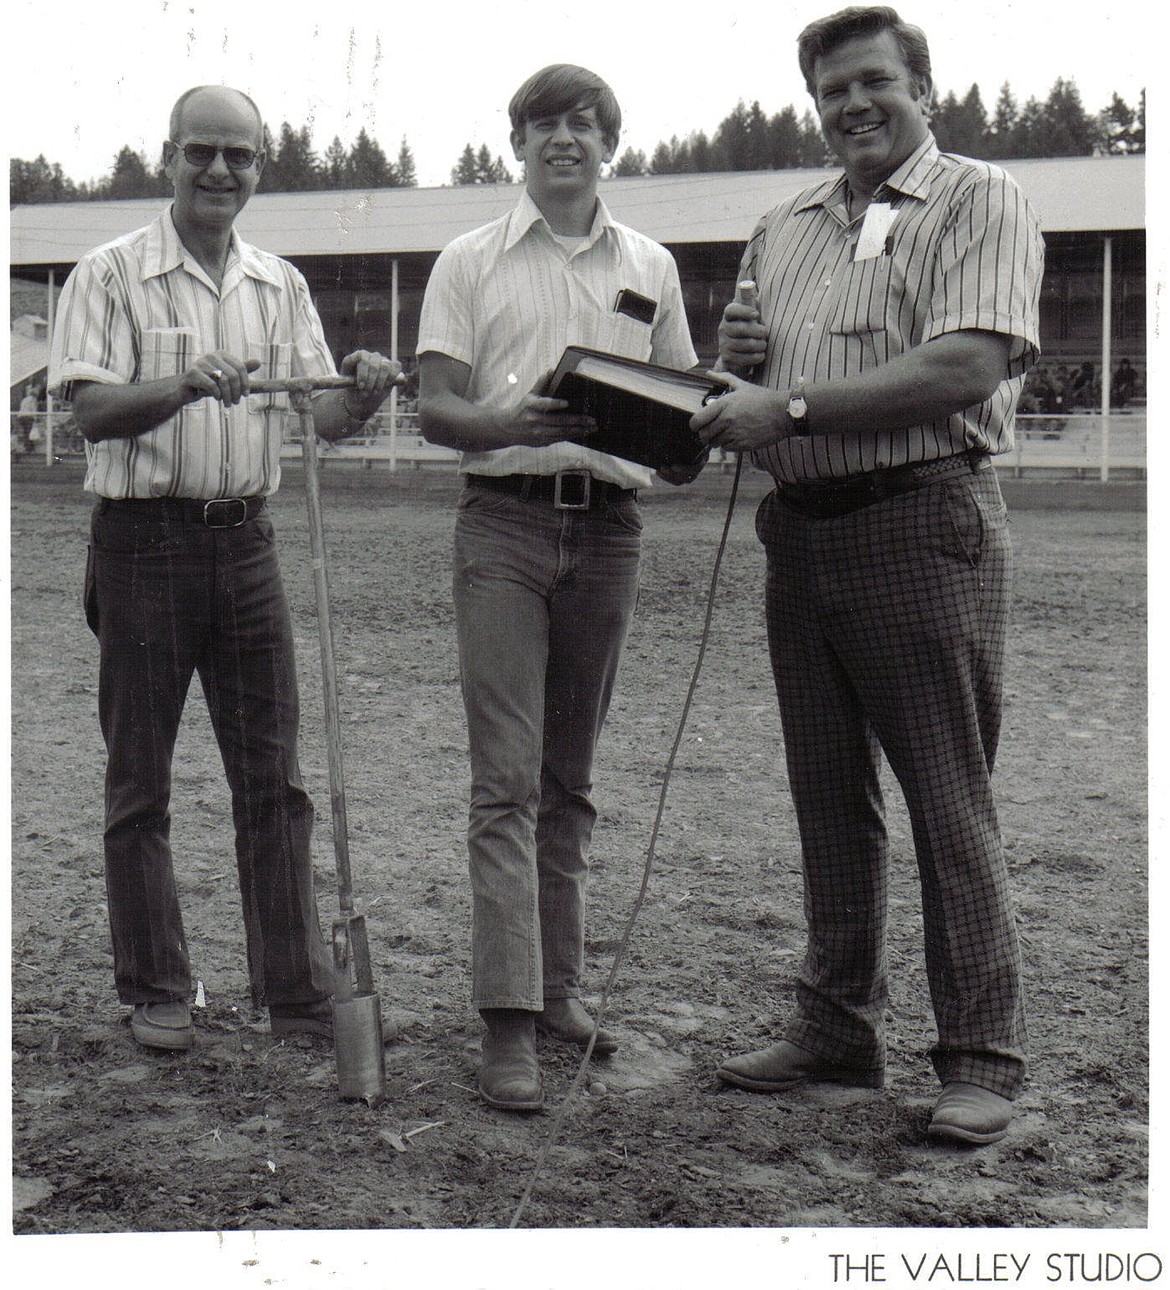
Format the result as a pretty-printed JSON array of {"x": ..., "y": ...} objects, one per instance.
[
  {"x": 508, "y": 297},
  {"x": 964, "y": 252},
  {"x": 140, "y": 308}
]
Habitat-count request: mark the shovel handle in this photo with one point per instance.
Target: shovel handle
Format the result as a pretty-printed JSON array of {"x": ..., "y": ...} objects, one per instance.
[{"x": 328, "y": 661}]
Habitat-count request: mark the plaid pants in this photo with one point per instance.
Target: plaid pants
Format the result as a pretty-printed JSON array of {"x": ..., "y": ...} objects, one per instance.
[{"x": 886, "y": 630}]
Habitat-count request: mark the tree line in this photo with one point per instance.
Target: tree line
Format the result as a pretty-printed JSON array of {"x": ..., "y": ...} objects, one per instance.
[{"x": 746, "y": 139}]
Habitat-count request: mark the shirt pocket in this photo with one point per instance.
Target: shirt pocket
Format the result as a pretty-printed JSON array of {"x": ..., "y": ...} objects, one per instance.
[
  {"x": 629, "y": 337},
  {"x": 275, "y": 365},
  {"x": 863, "y": 299}
]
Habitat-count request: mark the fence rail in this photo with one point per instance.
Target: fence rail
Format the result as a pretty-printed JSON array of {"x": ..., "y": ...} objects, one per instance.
[{"x": 1082, "y": 444}]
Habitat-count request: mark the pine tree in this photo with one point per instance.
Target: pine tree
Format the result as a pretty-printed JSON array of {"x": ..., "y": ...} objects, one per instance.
[
  {"x": 38, "y": 181},
  {"x": 130, "y": 178},
  {"x": 1068, "y": 130},
  {"x": 406, "y": 175},
  {"x": 784, "y": 140},
  {"x": 1123, "y": 130},
  {"x": 367, "y": 165},
  {"x": 630, "y": 163},
  {"x": 464, "y": 170},
  {"x": 488, "y": 171},
  {"x": 333, "y": 165},
  {"x": 1001, "y": 130},
  {"x": 295, "y": 165}
]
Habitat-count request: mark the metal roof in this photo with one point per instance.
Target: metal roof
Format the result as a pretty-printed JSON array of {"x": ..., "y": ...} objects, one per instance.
[
  {"x": 26, "y": 357},
  {"x": 1071, "y": 195}
]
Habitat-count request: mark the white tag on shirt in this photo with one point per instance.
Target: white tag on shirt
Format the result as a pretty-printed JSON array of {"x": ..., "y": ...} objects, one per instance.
[{"x": 875, "y": 228}]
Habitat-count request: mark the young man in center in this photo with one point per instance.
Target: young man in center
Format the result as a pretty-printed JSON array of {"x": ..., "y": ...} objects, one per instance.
[{"x": 546, "y": 549}]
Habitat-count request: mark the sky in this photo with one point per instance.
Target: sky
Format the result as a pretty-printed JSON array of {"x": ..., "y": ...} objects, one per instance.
[{"x": 82, "y": 85}]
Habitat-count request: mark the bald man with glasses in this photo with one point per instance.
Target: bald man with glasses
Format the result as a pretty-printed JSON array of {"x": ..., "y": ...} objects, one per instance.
[{"x": 156, "y": 337}]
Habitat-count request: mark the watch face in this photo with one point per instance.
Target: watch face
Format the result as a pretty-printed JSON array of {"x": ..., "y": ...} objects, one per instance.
[{"x": 797, "y": 407}]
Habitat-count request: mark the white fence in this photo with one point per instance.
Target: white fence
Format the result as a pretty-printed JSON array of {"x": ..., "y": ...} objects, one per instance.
[{"x": 1083, "y": 445}]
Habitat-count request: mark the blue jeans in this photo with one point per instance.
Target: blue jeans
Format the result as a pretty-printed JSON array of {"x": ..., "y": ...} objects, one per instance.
[
  {"x": 167, "y": 597},
  {"x": 543, "y": 602}
]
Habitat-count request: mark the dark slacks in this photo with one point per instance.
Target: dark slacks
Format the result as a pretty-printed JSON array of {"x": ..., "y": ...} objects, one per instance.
[
  {"x": 168, "y": 597},
  {"x": 887, "y": 629}
]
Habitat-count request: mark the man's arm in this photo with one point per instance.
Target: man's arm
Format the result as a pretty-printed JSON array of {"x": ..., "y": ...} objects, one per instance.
[
  {"x": 338, "y": 413},
  {"x": 107, "y": 411},
  {"x": 927, "y": 383},
  {"x": 448, "y": 418},
  {"x": 122, "y": 411}
]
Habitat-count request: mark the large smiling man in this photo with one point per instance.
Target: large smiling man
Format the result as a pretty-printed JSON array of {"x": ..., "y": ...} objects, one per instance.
[
  {"x": 546, "y": 549},
  {"x": 156, "y": 336},
  {"x": 897, "y": 318}
]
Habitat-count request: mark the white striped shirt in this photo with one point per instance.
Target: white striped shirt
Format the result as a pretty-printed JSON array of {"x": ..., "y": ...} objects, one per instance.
[
  {"x": 964, "y": 252},
  {"x": 141, "y": 307},
  {"x": 507, "y": 298}
]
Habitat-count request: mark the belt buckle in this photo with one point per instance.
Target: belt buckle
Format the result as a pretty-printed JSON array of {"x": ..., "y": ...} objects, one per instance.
[
  {"x": 576, "y": 497},
  {"x": 210, "y": 517}
]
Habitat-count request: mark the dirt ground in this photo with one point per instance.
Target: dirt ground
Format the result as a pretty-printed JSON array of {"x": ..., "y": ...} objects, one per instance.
[{"x": 244, "y": 1134}]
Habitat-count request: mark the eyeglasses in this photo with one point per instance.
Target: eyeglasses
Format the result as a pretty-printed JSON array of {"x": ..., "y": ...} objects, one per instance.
[{"x": 203, "y": 154}]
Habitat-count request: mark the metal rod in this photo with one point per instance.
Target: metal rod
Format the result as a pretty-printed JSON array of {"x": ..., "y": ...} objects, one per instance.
[{"x": 328, "y": 658}]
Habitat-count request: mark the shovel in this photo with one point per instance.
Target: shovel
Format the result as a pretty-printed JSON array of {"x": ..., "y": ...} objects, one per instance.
[{"x": 357, "y": 1013}]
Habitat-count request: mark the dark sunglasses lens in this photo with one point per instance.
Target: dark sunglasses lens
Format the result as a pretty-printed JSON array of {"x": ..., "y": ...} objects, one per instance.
[
  {"x": 199, "y": 154},
  {"x": 203, "y": 154}
]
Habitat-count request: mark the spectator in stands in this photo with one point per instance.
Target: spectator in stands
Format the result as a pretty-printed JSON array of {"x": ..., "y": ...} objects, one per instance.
[
  {"x": 888, "y": 557},
  {"x": 1083, "y": 388},
  {"x": 1124, "y": 385},
  {"x": 183, "y": 574},
  {"x": 546, "y": 549}
]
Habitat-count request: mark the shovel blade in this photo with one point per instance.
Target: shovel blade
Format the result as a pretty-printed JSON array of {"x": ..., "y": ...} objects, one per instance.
[{"x": 357, "y": 1046}]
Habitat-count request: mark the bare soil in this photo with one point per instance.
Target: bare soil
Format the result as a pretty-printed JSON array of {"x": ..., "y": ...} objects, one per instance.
[{"x": 245, "y": 1134}]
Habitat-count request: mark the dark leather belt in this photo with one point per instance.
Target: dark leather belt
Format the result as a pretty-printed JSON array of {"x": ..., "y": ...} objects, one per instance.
[
  {"x": 569, "y": 490},
  {"x": 826, "y": 499},
  {"x": 216, "y": 513}
]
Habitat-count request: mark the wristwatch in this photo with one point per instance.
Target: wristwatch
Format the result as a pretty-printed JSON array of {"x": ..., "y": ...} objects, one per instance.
[{"x": 798, "y": 412}]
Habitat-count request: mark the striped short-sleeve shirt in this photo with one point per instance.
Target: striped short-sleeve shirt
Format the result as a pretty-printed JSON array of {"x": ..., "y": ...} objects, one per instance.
[
  {"x": 508, "y": 297},
  {"x": 141, "y": 308},
  {"x": 964, "y": 252}
]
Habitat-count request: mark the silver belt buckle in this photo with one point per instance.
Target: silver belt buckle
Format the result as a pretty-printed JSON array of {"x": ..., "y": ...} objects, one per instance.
[
  {"x": 212, "y": 520},
  {"x": 574, "y": 497}
]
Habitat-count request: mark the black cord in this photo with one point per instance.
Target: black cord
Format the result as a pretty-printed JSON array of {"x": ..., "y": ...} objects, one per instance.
[{"x": 619, "y": 954}]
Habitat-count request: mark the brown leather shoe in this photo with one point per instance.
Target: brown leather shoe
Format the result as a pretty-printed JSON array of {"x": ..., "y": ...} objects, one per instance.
[
  {"x": 968, "y": 1113},
  {"x": 567, "y": 1020},
  {"x": 509, "y": 1075},
  {"x": 784, "y": 1065},
  {"x": 163, "y": 1025}
]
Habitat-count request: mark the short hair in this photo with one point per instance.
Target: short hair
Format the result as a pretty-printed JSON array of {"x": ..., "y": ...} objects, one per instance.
[
  {"x": 561, "y": 87},
  {"x": 826, "y": 34},
  {"x": 176, "y": 122}
]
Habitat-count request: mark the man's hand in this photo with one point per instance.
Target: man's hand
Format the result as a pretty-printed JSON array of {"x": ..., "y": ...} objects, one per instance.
[
  {"x": 539, "y": 420},
  {"x": 373, "y": 375},
  {"x": 448, "y": 418},
  {"x": 743, "y": 339},
  {"x": 219, "y": 376},
  {"x": 677, "y": 475},
  {"x": 747, "y": 417}
]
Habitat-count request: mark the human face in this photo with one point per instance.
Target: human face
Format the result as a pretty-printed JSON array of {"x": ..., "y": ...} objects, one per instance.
[
  {"x": 562, "y": 155},
  {"x": 208, "y": 198},
  {"x": 873, "y": 111}
]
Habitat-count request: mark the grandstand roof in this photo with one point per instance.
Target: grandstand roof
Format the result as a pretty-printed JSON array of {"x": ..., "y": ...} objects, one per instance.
[{"x": 1071, "y": 195}]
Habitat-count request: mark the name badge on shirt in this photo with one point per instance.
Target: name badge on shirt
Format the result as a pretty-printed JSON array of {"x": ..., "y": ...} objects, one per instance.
[{"x": 875, "y": 228}]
